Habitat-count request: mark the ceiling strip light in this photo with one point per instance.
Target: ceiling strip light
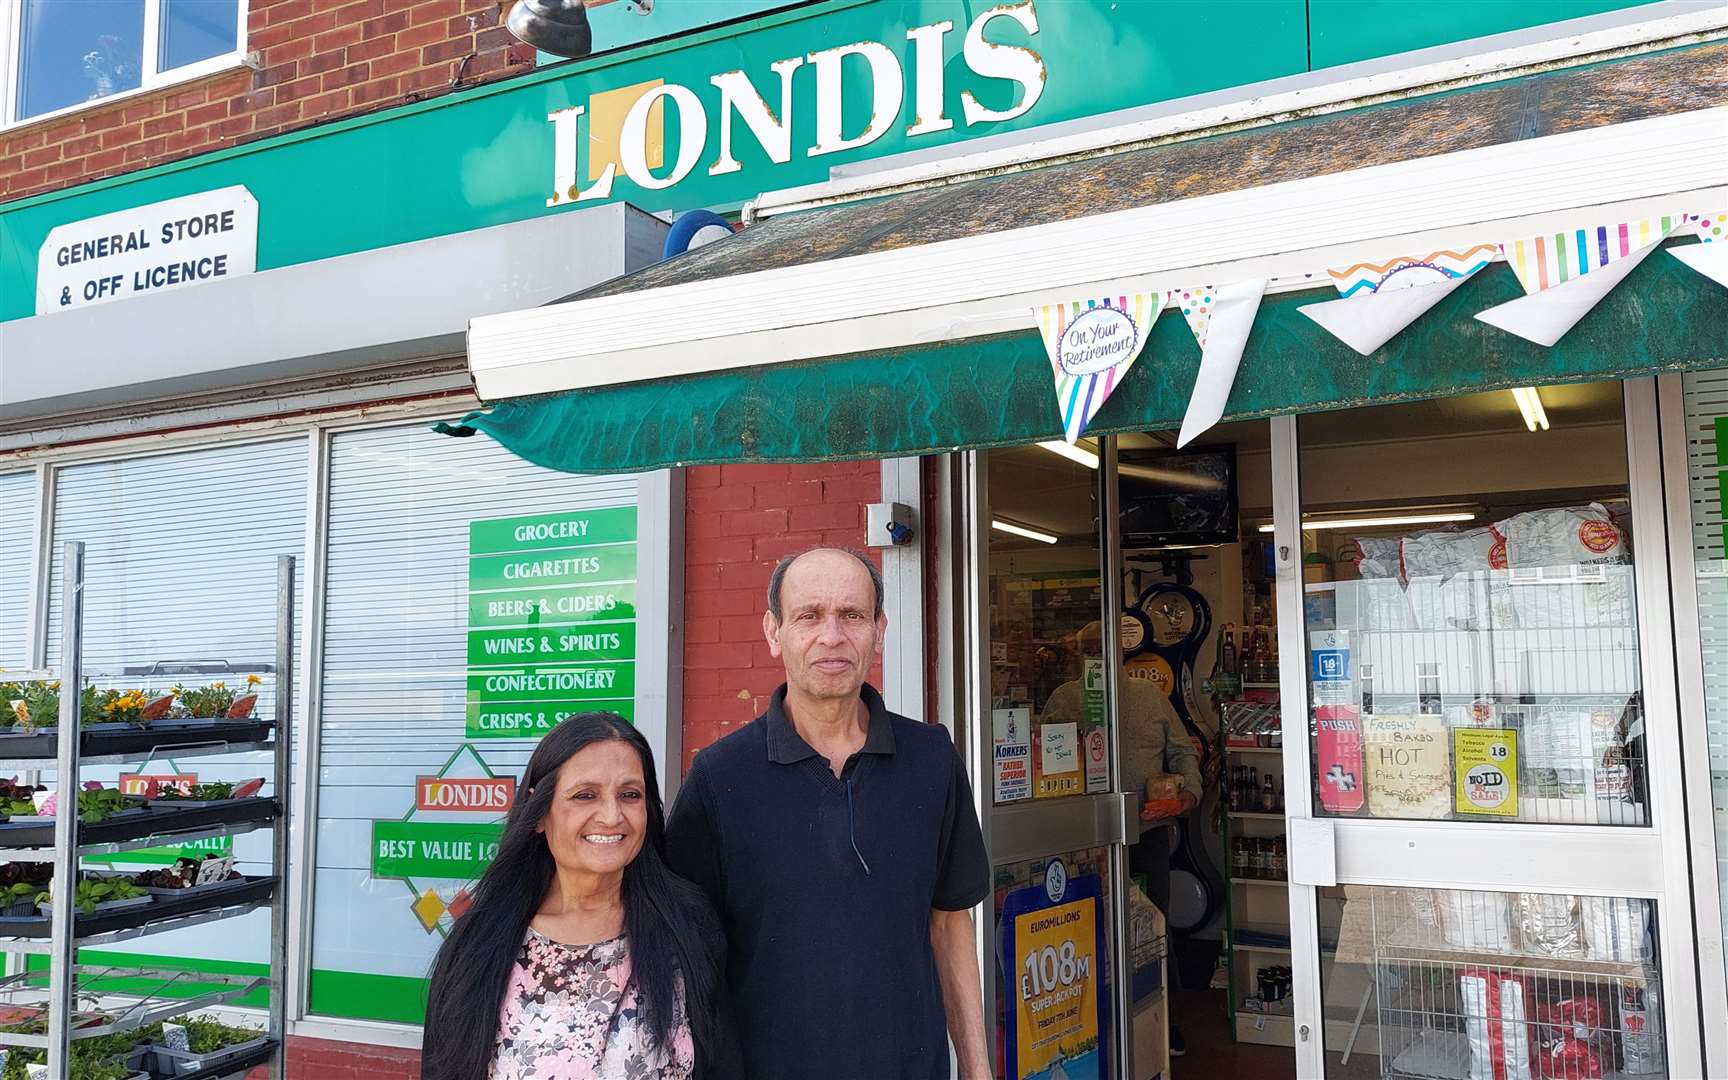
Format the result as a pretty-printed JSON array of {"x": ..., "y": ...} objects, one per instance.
[
  {"x": 1383, "y": 521},
  {"x": 1072, "y": 452},
  {"x": 1530, "y": 404},
  {"x": 1021, "y": 530}
]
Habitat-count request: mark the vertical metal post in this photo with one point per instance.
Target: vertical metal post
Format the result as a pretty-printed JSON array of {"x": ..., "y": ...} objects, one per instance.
[
  {"x": 284, "y": 740},
  {"x": 1310, "y": 1023},
  {"x": 973, "y": 729},
  {"x": 61, "y": 976},
  {"x": 1111, "y": 564}
]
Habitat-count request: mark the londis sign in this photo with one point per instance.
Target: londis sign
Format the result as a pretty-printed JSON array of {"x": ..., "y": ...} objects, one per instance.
[
  {"x": 492, "y": 795},
  {"x": 626, "y": 127}
]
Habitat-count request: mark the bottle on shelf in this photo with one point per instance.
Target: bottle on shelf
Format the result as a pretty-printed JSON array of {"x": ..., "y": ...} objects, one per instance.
[
  {"x": 1268, "y": 797},
  {"x": 1232, "y": 663}
]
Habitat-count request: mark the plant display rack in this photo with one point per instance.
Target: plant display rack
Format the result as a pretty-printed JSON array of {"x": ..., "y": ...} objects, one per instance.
[{"x": 66, "y": 842}]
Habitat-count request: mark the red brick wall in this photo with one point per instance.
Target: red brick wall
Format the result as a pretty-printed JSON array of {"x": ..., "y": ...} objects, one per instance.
[
  {"x": 320, "y": 60},
  {"x": 317, "y": 1059},
  {"x": 741, "y": 519}
]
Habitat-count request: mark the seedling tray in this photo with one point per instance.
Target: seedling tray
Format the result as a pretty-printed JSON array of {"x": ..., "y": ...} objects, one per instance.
[
  {"x": 238, "y": 1065},
  {"x": 244, "y": 891},
  {"x": 157, "y": 818},
  {"x": 45, "y": 744}
]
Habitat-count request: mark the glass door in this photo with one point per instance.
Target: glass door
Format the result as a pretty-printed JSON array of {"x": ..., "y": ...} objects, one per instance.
[
  {"x": 1062, "y": 956},
  {"x": 1488, "y": 856}
]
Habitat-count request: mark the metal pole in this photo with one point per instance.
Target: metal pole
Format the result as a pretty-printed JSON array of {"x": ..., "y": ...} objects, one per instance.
[
  {"x": 61, "y": 977},
  {"x": 279, "y": 831},
  {"x": 1111, "y": 595}
]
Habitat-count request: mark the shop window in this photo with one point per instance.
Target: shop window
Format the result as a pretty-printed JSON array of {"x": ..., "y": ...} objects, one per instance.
[
  {"x": 1706, "y": 395},
  {"x": 180, "y": 563},
  {"x": 425, "y": 602},
  {"x": 17, "y": 567},
  {"x": 1483, "y": 573},
  {"x": 1046, "y": 611},
  {"x": 1451, "y": 983},
  {"x": 74, "y": 52}
]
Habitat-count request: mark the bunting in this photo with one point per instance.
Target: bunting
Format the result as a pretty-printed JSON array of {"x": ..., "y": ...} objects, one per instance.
[{"x": 1092, "y": 343}]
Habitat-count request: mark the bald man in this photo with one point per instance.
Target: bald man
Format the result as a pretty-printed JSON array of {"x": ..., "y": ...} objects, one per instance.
[{"x": 840, "y": 845}]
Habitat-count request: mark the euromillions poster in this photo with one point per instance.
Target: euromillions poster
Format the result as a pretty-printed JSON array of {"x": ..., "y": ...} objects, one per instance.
[{"x": 1053, "y": 941}]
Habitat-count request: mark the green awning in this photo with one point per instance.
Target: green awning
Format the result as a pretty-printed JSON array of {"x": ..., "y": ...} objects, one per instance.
[
  {"x": 997, "y": 391},
  {"x": 982, "y": 391}
]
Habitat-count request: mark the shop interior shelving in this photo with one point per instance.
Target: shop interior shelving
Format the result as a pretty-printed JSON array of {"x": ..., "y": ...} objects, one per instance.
[
  {"x": 1257, "y": 917},
  {"x": 66, "y": 842}
]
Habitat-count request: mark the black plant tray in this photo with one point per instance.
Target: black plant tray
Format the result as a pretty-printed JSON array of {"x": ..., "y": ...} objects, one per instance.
[
  {"x": 154, "y": 819},
  {"x": 238, "y": 1065},
  {"x": 243, "y": 891},
  {"x": 46, "y": 744}
]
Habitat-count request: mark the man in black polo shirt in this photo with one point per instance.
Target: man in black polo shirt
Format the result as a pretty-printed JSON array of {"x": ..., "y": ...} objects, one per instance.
[{"x": 840, "y": 845}]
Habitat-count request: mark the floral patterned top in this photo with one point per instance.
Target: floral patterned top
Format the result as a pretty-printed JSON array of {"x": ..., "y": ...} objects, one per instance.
[{"x": 571, "y": 1013}]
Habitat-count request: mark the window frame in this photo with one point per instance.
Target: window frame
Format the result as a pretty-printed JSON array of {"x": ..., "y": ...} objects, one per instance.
[{"x": 150, "y": 81}]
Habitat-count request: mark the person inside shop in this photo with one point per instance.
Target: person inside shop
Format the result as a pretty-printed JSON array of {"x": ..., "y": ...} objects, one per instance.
[
  {"x": 583, "y": 954},
  {"x": 839, "y": 842},
  {"x": 1154, "y": 744}
]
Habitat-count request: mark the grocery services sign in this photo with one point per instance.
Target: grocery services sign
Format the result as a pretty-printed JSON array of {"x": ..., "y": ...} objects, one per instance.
[{"x": 625, "y": 128}]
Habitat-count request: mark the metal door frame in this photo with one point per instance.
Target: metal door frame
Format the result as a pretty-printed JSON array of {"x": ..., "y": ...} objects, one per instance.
[
  {"x": 1694, "y": 729},
  {"x": 1595, "y": 860},
  {"x": 1028, "y": 830}
]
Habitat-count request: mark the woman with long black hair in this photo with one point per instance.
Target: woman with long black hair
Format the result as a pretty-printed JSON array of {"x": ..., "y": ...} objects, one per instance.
[{"x": 583, "y": 957}]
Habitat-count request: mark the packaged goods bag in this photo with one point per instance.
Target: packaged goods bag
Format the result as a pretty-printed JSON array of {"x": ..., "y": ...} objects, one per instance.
[
  {"x": 1640, "y": 1029},
  {"x": 1616, "y": 928},
  {"x": 1480, "y": 921},
  {"x": 1496, "y": 1025},
  {"x": 1550, "y": 924},
  {"x": 1568, "y": 536},
  {"x": 1570, "y": 1041}
]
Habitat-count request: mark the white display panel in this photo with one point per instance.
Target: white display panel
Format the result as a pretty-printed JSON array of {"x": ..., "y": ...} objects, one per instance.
[
  {"x": 180, "y": 565},
  {"x": 18, "y": 501},
  {"x": 394, "y": 690}
]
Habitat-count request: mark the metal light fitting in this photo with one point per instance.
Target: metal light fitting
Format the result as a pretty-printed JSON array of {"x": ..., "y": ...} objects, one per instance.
[{"x": 559, "y": 27}]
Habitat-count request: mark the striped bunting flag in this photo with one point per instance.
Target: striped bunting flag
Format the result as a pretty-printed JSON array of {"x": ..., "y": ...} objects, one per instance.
[
  {"x": 1542, "y": 262},
  {"x": 1092, "y": 343}
]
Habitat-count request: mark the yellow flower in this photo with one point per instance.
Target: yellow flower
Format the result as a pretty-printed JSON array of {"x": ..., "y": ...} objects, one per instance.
[
  {"x": 219, "y": 686},
  {"x": 253, "y": 680}
]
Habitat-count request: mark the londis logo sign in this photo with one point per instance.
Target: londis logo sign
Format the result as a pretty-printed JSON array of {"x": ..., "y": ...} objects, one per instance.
[
  {"x": 626, "y": 127},
  {"x": 489, "y": 796}
]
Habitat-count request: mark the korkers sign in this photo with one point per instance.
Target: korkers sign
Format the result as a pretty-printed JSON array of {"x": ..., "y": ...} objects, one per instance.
[
  {"x": 488, "y": 796},
  {"x": 626, "y": 126}
]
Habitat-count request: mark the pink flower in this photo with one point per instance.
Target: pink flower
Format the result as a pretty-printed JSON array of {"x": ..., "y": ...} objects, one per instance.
[{"x": 92, "y": 785}]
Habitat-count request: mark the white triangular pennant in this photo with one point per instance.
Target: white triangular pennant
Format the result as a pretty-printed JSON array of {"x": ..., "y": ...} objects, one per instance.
[
  {"x": 1220, "y": 320},
  {"x": 1544, "y": 317},
  {"x": 1370, "y": 320},
  {"x": 1711, "y": 260},
  {"x": 1092, "y": 342},
  {"x": 1379, "y": 299},
  {"x": 1555, "y": 259}
]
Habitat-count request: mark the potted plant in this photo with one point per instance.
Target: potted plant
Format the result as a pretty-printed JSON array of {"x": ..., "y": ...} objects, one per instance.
[
  {"x": 213, "y": 703},
  {"x": 106, "y": 1057},
  {"x": 201, "y": 1042},
  {"x": 19, "y": 884},
  {"x": 97, "y": 803},
  {"x": 100, "y": 894},
  {"x": 114, "y": 710},
  {"x": 36, "y": 707},
  {"x": 181, "y": 879},
  {"x": 17, "y": 800},
  {"x": 203, "y": 794}
]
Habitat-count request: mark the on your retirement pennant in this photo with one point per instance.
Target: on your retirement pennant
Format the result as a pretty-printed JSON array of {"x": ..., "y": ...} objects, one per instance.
[
  {"x": 1379, "y": 300},
  {"x": 1710, "y": 257},
  {"x": 1092, "y": 343},
  {"x": 1220, "y": 319},
  {"x": 1565, "y": 274}
]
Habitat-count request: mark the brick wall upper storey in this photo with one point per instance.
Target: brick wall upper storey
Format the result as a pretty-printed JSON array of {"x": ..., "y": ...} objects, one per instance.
[{"x": 318, "y": 60}]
